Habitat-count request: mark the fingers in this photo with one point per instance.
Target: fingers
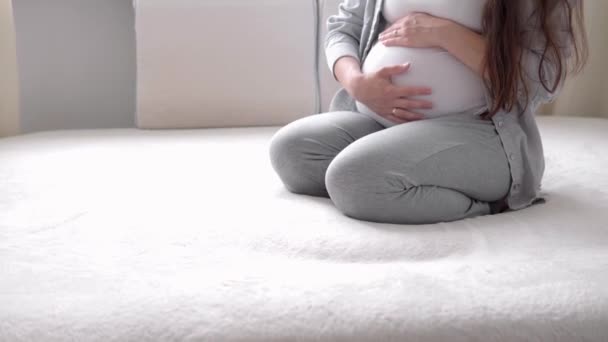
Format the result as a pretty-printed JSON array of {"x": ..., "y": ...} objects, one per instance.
[
  {"x": 407, "y": 115},
  {"x": 401, "y": 41},
  {"x": 391, "y": 34},
  {"x": 402, "y": 91},
  {"x": 402, "y": 110},
  {"x": 413, "y": 104},
  {"x": 401, "y": 115},
  {"x": 400, "y": 23},
  {"x": 395, "y": 32},
  {"x": 389, "y": 29},
  {"x": 409, "y": 20},
  {"x": 389, "y": 71}
]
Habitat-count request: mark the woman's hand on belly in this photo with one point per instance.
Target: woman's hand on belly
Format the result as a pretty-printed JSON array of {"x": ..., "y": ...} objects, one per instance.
[
  {"x": 416, "y": 30},
  {"x": 421, "y": 30},
  {"x": 377, "y": 92}
]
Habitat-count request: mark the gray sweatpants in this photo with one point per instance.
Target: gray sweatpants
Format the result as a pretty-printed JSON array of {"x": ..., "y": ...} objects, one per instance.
[{"x": 428, "y": 171}]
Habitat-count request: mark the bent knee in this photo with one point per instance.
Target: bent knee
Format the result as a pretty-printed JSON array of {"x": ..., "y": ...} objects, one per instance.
[
  {"x": 360, "y": 188},
  {"x": 356, "y": 190},
  {"x": 298, "y": 164}
]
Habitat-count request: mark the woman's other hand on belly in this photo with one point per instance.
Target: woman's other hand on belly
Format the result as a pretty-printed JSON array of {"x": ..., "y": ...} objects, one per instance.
[
  {"x": 416, "y": 30},
  {"x": 377, "y": 91},
  {"x": 421, "y": 30}
]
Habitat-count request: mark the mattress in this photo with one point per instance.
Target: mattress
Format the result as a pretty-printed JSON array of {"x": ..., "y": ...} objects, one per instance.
[{"x": 128, "y": 235}]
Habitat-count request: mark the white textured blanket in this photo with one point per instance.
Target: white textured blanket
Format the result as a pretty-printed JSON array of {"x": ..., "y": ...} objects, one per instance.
[{"x": 124, "y": 235}]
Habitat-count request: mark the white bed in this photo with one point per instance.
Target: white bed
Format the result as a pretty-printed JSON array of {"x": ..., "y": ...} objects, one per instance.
[{"x": 127, "y": 235}]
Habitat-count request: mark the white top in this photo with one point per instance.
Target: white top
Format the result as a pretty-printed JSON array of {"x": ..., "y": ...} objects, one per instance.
[
  {"x": 466, "y": 12},
  {"x": 456, "y": 88}
]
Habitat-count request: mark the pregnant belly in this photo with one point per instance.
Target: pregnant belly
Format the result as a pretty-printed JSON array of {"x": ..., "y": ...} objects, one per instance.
[{"x": 456, "y": 88}]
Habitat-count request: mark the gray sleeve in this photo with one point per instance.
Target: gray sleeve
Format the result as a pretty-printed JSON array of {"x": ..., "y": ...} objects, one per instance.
[{"x": 344, "y": 32}]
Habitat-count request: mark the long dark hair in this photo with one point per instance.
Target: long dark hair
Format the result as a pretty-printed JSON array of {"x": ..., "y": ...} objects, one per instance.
[{"x": 502, "y": 27}]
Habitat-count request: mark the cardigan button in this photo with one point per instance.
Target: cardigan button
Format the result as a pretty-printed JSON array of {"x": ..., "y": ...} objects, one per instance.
[
  {"x": 512, "y": 156},
  {"x": 499, "y": 123},
  {"x": 515, "y": 187}
]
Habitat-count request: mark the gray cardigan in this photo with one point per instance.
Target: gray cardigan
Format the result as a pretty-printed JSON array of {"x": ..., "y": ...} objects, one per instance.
[{"x": 355, "y": 28}]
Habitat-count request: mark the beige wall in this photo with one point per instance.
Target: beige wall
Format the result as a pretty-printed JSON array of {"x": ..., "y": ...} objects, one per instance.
[
  {"x": 587, "y": 93},
  {"x": 9, "y": 98}
]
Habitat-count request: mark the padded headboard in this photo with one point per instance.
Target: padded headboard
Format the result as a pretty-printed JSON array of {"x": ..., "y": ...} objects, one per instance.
[
  {"x": 329, "y": 85},
  {"x": 9, "y": 85},
  {"x": 225, "y": 63}
]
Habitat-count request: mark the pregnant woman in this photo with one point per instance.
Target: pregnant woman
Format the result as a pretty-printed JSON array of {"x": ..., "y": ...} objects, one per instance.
[{"x": 435, "y": 119}]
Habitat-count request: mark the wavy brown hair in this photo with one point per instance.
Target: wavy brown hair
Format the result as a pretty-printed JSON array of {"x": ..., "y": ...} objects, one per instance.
[{"x": 506, "y": 33}]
